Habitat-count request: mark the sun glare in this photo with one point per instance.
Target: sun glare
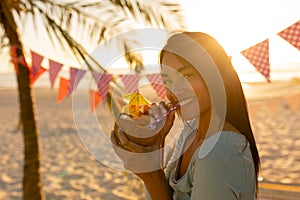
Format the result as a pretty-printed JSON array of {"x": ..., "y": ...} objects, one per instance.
[{"x": 238, "y": 25}]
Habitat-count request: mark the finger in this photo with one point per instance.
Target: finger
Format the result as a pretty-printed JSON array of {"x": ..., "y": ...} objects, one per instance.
[
  {"x": 163, "y": 107},
  {"x": 113, "y": 133},
  {"x": 114, "y": 140},
  {"x": 154, "y": 111},
  {"x": 131, "y": 146},
  {"x": 170, "y": 105},
  {"x": 168, "y": 124}
]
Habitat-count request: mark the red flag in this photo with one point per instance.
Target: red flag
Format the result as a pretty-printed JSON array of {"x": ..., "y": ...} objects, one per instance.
[
  {"x": 258, "y": 56},
  {"x": 102, "y": 80},
  {"x": 95, "y": 99},
  {"x": 63, "y": 89},
  {"x": 36, "y": 61},
  {"x": 292, "y": 34},
  {"x": 15, "y": 59},
  {"x": 157, "y": 84},
  {"x": 75, "y": 76},
  {"x": 130, "y": 82},
  {"x": 54, "y": 69},
  {"x": 33, "y": 77}
]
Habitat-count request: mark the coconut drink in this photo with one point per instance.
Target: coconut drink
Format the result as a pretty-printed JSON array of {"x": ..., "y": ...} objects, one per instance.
[{"x": 141, "y": 120}]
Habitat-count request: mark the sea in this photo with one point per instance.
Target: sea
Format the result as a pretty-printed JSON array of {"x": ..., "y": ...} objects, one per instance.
[{"x": 8, "y": 79}]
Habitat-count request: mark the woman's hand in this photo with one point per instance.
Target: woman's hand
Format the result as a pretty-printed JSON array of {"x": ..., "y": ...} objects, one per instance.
[{"x": 142, "y": 159}]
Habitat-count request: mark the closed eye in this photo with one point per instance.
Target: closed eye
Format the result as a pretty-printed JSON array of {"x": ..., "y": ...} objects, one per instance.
[{"x": 186, "y": 76}]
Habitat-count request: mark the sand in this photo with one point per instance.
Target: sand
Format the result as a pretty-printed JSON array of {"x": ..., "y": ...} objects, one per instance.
[{"x": 70, "y": 171}]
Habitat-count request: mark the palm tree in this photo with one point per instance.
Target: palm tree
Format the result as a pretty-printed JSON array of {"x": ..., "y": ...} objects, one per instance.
[{"x": 58, "y": 18}]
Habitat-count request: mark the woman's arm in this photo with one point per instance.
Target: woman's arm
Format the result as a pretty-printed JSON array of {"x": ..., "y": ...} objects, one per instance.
[
  {"x": 157, "y": 185},
  {"x": 145, "y": 161}
]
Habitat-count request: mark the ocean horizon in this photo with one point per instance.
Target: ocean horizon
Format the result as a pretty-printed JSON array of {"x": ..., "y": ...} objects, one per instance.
[{"x": 8, "y": 79}]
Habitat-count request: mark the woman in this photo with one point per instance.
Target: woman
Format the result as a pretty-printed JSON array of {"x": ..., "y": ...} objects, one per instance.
[{"x": 216, "y": 155}]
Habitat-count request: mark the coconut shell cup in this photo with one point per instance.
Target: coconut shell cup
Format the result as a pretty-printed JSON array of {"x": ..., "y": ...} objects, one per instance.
[{"x": 143, "y": 130}]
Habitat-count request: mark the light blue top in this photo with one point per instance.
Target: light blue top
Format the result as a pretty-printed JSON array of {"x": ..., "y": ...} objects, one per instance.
[{"x": 221, "y": 168}]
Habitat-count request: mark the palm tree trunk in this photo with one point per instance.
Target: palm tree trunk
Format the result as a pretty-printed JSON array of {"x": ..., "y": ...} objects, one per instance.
[{"x": 31, "y": 179}]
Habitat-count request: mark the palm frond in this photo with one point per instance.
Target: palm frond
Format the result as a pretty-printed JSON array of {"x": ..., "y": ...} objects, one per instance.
[
  {"x": 98, "y": 20},
  {"x": 4, "y": 43},
  {"x": 159, "y": 13}
]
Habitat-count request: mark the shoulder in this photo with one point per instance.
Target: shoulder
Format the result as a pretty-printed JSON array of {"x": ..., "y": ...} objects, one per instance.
[{"x": 218, "y": 149}]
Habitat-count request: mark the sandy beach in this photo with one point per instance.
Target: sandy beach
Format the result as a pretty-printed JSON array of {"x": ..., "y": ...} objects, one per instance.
[{"x": 70, "y": 171}]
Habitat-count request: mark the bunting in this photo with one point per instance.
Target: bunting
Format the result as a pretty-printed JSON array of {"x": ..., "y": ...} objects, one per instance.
[
  {"x": 15, "y": 59},
  {"x": 63, "y": 89},
  {"x": 96, "y": 75},
  {"x": 258, "y": 56},
  {"x": 292, "y": 34},
  {"x": 130, "y": 82},
  {"x": 75, "y": 76},
  {"x": 95, "y": 99},
  {"x": 54, "y": 69},
  {"x": 36, "y": 61},
  {"x": 157, "y": 84},
  {"x": 103, "y": 84},
  {"x": 102, "y": 80},
  {"x": 33, "y": 77}
]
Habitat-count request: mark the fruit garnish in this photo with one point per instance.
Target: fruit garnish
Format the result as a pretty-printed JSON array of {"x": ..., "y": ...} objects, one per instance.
[{"x": 137, "y": 106}]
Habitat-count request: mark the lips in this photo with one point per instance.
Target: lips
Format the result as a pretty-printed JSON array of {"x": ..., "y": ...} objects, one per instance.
[
  {"x": 186, "y": 101},
  {"x": 181, "y": 101}
]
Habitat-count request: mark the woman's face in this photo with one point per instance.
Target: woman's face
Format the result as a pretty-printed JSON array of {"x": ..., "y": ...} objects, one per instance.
[{"x": 185, "y": 86}]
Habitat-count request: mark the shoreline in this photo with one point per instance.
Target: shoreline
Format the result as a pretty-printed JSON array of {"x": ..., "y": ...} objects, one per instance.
[{"x": 252, "y": 90}]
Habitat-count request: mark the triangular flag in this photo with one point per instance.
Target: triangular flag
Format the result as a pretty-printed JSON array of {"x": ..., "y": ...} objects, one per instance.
[
  {"x": 102, "y": 80},
  {"x": 96, "y": 75},
  {"x": 272, "y": 105},
  {"x": 95, "y": 99},
  {"x": 292, "y": 34},
  {"x": 15, "y": 59},
  {"x": 54, "y": 69},
  {"x": 293, "y": 102},
  {"x": 75, "y": 76},
  {"x": 33, "y": 78},
  {"x": 258, "y": 56},
  {"x": 63, "y": 89},
  {"x": 157, "y": 84},
  {"x": 36, "y": 61},
  {"x": 103, "y": 84},
  {"x": 130, "y": 81}
]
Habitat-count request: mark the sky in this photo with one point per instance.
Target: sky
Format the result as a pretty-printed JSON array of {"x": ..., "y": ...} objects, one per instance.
[{"x": 237, "y": 25}]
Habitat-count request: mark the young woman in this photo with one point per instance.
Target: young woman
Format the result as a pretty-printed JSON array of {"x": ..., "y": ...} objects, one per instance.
[{"x": 216, "y": 155}]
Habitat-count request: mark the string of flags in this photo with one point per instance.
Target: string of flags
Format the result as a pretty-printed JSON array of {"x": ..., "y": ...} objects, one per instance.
[
  {"x": 67, "y": 86},
  {"x": 258, "y": 56}
]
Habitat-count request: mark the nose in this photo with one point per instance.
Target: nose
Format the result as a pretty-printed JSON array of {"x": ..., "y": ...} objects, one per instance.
[
  {"x": 179, "y": 88},
  {"x": 180, "y": 83}
]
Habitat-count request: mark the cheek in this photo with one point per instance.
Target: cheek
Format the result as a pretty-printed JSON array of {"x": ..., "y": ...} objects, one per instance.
[{"x": 203, "y": 96}]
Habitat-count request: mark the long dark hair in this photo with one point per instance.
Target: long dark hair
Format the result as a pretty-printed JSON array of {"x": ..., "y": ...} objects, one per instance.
[{"x": 237, "y": 112}]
